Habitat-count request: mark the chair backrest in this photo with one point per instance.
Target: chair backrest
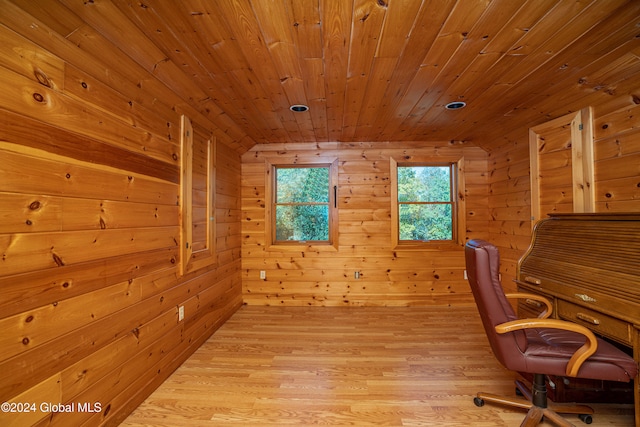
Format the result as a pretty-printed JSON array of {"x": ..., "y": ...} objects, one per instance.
[{"x": 483, "y": 272}]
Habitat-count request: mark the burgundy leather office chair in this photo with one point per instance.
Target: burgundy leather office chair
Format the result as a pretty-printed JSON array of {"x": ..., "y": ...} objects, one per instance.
[{"x": 540, "y": 346}]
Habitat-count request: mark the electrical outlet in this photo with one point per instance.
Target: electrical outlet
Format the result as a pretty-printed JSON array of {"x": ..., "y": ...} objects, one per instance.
[
  {"x": 181, "y": 313},
  {"x": 356, "y": 275},
  {"x": 465, "y": 275},
  {"x": 263, "y": 274}
]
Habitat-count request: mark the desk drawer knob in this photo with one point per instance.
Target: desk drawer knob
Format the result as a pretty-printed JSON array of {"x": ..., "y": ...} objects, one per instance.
[
  {"x": 533, "y": 280},
  {"x": 587, "y": 318},
  {"x": 533, "y": 303},
  {"x": 585, "y": 297}
]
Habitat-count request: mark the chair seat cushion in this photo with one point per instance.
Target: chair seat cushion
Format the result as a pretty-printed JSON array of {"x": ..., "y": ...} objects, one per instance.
[{"x": 549, "y": 350}]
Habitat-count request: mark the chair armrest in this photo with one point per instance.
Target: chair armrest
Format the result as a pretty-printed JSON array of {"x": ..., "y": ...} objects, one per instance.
[
  {"x": 521, "y": 295},
  {"x": 581, "y": 354}
]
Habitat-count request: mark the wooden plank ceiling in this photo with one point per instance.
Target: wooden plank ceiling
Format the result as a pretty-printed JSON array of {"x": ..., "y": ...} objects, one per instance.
[{"x": 375, "y": 70}]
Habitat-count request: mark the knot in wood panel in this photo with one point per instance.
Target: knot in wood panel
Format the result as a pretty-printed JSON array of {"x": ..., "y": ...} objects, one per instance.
[
  {"x": 42, "y": 78},
  {"x": 59, "y": 262}
]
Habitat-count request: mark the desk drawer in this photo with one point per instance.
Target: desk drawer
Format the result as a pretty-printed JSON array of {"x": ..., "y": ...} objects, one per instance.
[{"x": 596, "y": 321}]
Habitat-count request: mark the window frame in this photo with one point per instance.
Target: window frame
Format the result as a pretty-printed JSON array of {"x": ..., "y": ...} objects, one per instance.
[
  {"x": 271, "y": 194},
  {"x": 457, "y": 201},
  {"x": 200, "y": 253}
]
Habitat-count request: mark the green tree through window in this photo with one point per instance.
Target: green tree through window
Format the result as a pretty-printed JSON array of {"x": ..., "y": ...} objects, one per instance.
[
  {"x": 302, "y": 204},
  {"x": 425, "y": 203}
]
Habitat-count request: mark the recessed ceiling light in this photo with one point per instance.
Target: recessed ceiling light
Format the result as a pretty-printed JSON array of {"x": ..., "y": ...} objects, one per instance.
[
  {"x": 299, "y": 108},
  {"x": 455, "y": 105}
]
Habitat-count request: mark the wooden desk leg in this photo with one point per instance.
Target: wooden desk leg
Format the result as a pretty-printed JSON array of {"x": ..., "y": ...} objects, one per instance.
[{"x": 636, "y": 385}]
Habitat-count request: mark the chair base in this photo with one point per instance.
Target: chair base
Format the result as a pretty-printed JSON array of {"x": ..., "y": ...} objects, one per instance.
[{"x": 536, "y": 413}]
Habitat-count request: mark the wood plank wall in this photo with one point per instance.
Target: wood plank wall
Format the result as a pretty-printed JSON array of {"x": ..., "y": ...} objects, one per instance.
[
  {"x": 616, "y": 127},
  {"x": 89, "y": 181},
  {"x": 388, "y": 276},
  {"x": 89, "y": 225}
]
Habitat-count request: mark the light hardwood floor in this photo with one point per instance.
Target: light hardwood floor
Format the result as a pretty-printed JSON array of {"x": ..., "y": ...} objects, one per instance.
[{"x": 277, "y": 366}]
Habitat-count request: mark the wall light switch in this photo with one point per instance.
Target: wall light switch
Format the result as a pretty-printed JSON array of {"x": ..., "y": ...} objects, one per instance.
[
  {"x": 181, "y": 313},
  {"x": 263, "y": 274}
]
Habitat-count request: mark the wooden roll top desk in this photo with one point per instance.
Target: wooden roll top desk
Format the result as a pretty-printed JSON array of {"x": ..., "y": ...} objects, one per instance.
[{"x": 588, "y": 265}]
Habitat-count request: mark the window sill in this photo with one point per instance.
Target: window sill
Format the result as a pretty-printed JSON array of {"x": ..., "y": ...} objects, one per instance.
[
  {"x": 299, "y": 246},
  {"x": 428, "y": 246}
]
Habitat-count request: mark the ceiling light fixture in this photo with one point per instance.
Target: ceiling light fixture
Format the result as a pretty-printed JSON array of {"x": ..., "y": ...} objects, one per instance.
[
  {"x": 299, "y": 108},
  {"x": 455, "y": 105}
]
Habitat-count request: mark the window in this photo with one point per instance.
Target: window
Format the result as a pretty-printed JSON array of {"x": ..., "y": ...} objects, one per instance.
[
  {"x": 426, "y": 207},
  {"x": 303, "y": 208}
]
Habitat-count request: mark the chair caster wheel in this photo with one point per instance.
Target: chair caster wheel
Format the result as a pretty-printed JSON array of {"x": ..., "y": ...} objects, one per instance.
[
  {"x": 586, "y": 418},
  {"x": 479, "y": 402}
]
